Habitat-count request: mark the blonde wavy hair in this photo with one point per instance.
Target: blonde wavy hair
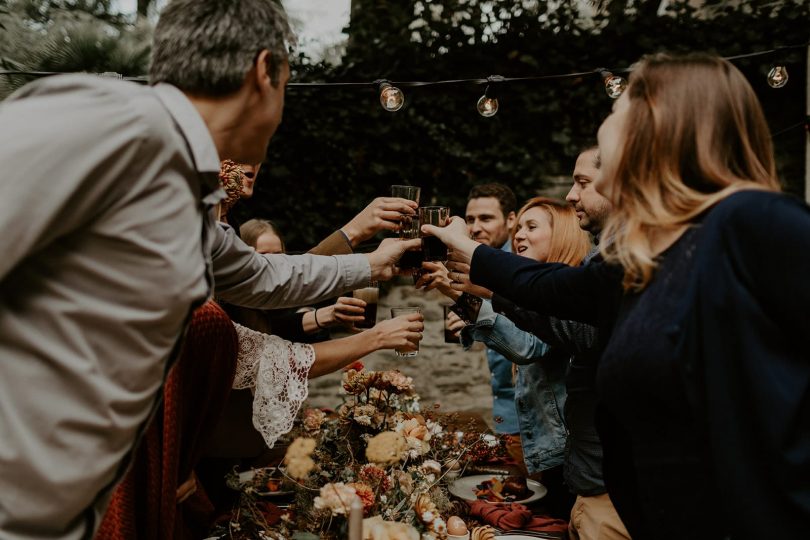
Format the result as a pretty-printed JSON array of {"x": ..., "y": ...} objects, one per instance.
[
  {"x": 694, "y": 134},
  {"x": 251, "y": 230},
  {"x": 569, "y": 243}
]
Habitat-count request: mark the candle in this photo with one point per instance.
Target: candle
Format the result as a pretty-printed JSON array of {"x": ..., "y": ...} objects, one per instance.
[{"x": 356, "y": 519}]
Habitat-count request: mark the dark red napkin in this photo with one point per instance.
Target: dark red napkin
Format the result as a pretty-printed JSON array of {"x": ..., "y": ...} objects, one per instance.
[{"x": 515, "y": 516}]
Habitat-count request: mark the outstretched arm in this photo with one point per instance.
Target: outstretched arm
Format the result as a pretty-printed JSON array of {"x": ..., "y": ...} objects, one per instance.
[
  {"x": 499, "y": 333},
  {"x": 246, "y": 278},
  {"x": 582, "y": 294},
  {"x": 382, "y": 214},
  {"x": 402, "y": 333}
]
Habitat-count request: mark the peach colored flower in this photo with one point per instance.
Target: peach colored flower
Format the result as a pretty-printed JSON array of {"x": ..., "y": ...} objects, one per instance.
[
  {"x": 354, "y": 382},
  {"x": 405, "y": 482},
  {"x": 336, "y": 497},
  {"x": 395, "y": 382},
  {"x": 364, "y": 414},
  {"x": 439, "y": 526},
  {"x": 430, "y": 466},
  {"x": 425, "y": 508},
  {"x": 313, "y": 419},
  {"x": 413, "y": 429}
]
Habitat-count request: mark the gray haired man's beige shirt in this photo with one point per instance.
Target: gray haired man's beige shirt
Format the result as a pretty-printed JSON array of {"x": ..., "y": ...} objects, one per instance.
[{"x": 106, "y": 245}]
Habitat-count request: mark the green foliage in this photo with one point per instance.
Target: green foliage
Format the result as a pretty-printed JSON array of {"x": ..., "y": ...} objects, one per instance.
[
  {"x": 3, "y": 11},
  {"x": 337, "y": 149},
  {"x": 70, "y": 36}
]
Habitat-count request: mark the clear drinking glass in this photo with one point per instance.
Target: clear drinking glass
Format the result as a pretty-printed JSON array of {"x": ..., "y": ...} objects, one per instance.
[
  {"x": 371, "y": 296},
  {"x": 408, "y": 227},
  {"x": 406, "y": 310}
]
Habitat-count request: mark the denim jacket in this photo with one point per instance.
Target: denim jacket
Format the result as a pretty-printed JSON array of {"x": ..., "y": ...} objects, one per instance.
[{"x": 540, "y": 388}]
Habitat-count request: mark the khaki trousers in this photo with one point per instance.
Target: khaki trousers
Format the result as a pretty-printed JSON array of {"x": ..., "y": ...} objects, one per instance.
[{"x": 595, "y": 518}]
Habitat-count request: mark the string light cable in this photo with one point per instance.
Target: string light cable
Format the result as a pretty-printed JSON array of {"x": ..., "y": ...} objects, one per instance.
[{"x": 392, "y": 98}]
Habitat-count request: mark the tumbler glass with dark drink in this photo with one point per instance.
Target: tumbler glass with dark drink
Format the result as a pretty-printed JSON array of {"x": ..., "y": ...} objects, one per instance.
[
  {"x": 370, "y": 295},
  {"x": 433, "y": 248},
  {"x": 408, "y": 227},
  {"x": 449, "y": 335},
  {"x": 411, "y": 259}
]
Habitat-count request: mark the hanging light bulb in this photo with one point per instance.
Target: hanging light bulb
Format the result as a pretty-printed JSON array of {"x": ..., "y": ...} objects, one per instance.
[
  {"x": 614, "y": 85},
  {"x": 487, "y": 105},
  {"x": 391, "y": 98},
  {"x": 777, "y": 77}
]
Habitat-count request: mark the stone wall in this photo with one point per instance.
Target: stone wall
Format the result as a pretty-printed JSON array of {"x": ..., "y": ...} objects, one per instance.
[{"x": 443, "y": 373}]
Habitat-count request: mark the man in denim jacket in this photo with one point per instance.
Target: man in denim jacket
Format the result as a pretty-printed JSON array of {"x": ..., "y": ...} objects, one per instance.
[
  {"x": 490, "y": 215},
  {"x": 539, "y": 389},
  {"x": 593, "y": 516}
]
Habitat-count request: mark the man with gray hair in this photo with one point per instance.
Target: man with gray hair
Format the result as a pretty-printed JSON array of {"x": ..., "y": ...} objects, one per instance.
[{"x": 109, "y": 244}]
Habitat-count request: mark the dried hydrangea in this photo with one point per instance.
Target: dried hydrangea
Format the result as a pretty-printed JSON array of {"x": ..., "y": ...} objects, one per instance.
[
  {"x": 386, "y": 448},
  {"x": 297, "y": 459}
]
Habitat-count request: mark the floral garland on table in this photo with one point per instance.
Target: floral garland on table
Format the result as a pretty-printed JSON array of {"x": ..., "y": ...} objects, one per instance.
[{"x": 380, "y": 448}]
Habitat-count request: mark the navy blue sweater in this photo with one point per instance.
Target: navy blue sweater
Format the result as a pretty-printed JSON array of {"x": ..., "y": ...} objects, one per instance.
[{"x": 739, "y": 333}]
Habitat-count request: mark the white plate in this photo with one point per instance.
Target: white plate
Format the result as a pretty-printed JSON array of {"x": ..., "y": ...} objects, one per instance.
[
  {"x": 247, "y": 476},
  {"x": 464, "y": 488}
]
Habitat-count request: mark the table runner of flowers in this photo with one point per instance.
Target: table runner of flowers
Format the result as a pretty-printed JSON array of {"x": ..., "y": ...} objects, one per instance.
[{"x": 379, "y": 446}]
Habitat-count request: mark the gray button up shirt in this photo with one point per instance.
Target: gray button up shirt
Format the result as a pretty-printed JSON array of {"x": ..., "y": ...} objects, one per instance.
[{"x": 107, "y": 245}]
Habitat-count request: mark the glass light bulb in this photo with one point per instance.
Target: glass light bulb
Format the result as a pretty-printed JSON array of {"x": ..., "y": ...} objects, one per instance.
[
  {"x": 487, "y": 106},
  {"x": 614, "y": 86},
  {"x": 778, "y": 76},
  {"x": 392, "y": 99}
]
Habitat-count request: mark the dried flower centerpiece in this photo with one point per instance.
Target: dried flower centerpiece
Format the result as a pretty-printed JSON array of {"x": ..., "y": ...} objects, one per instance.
[{"x": 381, "y": 448}]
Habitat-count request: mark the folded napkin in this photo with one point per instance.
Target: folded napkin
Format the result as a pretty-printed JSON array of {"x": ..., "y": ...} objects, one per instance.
[{"x": 515, "y": 516}]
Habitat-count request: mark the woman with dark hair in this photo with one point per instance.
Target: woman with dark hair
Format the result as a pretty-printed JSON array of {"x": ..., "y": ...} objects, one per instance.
[{"x": 701, "y": 303}]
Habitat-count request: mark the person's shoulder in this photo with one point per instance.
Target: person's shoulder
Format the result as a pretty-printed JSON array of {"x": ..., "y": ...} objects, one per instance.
[
  {"x": 750, "y": 221},
  {"x": 76, "y": 85},
  {"x": 753, "y": 207},
  {"x": 120, "y": 103}
]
